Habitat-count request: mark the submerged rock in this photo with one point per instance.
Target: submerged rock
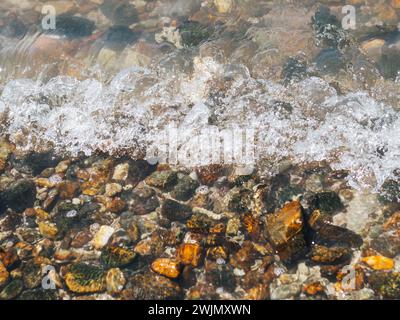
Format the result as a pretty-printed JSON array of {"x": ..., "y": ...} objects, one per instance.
[
  {"x": 185, "y": 188},
  {"x": 194, "y": 33},
  {"x": 327, "y": 234},
  {"x": 151, "y": 286},
  {"x": 84, "y": 278},
  {"x": 175, "y": 211},
  {"x": 73, "y": 26},
  {"x": 12, "y": 290},
  {"x": 285, "y": 231},
  {"x": 327, "y": 202},
  {"x": 117, "y": 257},
  {"x": 19, "y": 195}
]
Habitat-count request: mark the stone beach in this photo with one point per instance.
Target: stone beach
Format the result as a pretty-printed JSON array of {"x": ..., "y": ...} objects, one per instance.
[{"x": 315, "y": 217}]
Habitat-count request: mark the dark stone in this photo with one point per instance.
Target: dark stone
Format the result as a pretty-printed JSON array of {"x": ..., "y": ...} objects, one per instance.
[
  {"x": 35, "y": 162},
  {"x": 120, "y": 36},
  {"x": 32, "y": 275},
  {"x": 329, "y": 32},
  {"x": 327, "y": 202},
  {"x": 73, "y": 26},
  {"x": 12, "y": 290},
  {"x": 387, "y": 243},
  {"x": 331, "y": 235},
  {"x": 386, "y": 284},
  {"x": 142, "y": 200},
  {"x": 14, "y": 28},
  {"x": 151, "y": 286},
  {"x": 185, "y": 188},
  {"x": 390, "y": 191},
  {"x": 193, "y": 33},
  {"x": 239, "y": 200},
  {"x": 120, "y": 12},
  {"x": 220, "y": 275},
  {"x": 19, "y": 195},
  {"x": 294, "y": 70},
  {"x": 138, "y": 170},
  {"x": 38, "y": 294},
  {"x": 329, "y": 61},
  {"x": 68, "y": 215},
  {"x": 175, "y": 211}
]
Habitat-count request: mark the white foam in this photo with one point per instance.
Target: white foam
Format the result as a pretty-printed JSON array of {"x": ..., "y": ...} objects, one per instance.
[{"x": 353, "y": 132}]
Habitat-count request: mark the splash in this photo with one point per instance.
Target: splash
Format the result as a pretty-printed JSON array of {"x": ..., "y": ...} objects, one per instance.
[{"x": 305, "y": 121}]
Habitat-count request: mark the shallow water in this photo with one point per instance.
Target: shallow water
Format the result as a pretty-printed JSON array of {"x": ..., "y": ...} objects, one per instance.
[
  {"x": 281, "y": 86},
  {"x": 115, "y": 89}
]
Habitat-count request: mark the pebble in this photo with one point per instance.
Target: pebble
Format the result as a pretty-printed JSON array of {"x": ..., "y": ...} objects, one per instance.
[
  {"x": 379, "y": 262},
  {"x": 47, "y": 229},
  {"x": 115, "y": 281},
  {"x": 121, "y": 172},
  {"x": 166, "y": 267},
  {"x": 102, "y": 236},
  {"x": 113, "y": 189}
]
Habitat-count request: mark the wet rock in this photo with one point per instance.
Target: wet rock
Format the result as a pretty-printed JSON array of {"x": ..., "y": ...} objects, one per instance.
[
  {"x": 208, "y": 175},
  {"x": 285, "y": 231},
  {"x": 385, "y": 284},
  {"x": 120, "y": 12},
  {"x": 329, "y": 61},
  {"x": 244, "y": 258},
  {"x": 112, "y": 189},
  {"x": 238, "y": 200},
  {"x": 142, "y": 200},
  {"x": 116, "y": 257},
  {"x": 12, "y": 290},
  {"x": 323, "y": 232},
  {"x": 37, "y": 162},
  {"x": 233, "y": 226},
  {"x": 294, "y": 70},
  {"x": 175, "y": 211},
  {"x": 194, "y": 33},
  {"x": 121, "y": 172},
  {"x": 151, "y": 286},
  {"x": 3, "y": 275},
  {"x": 378, "y": 262},
  {"x": 62, "y": 166},
  {"x": 48, "y": 230},
  {"x": 166, "y": 267},
  {"x": 80, "y": 239},
  {"x": 102, "y": 236},
  {"x": 67, "y": 189},
  {"x": 32, "y": 275},
  {"x": 390, "y": 191},
  {"x": 190, "y": 254},
  {"x": 115, "y": 281},
  {"x": 329, "y": 32},
  {"x": 118, "y": 37},
  {"x": 38, "y": 294},
  {"x": 84, "y": 278},
  {"x": 334, "y": 255},
  {"x": 199, "y": 223},
  {"x": 71, "y": 26},
  {"x": 162, "y": 179},
  {"x": 220, "y": 275},
  {"x": 19, "y": 195},
  {"x": 327, "y": 202},
  {"x": 185, "y": 188}
]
